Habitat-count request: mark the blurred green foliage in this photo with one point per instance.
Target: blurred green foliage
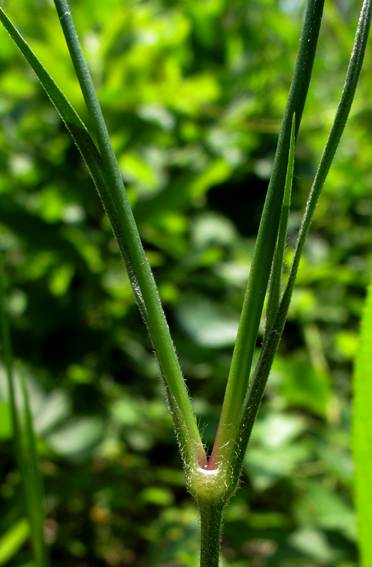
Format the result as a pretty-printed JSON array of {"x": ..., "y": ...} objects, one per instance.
[{"x": 193, "y": 92}]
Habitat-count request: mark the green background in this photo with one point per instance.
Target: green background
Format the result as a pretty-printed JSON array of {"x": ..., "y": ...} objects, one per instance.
[{"x": 193, "y": 92}]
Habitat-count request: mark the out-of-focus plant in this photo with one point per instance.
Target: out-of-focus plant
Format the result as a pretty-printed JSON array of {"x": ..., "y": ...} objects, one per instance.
[{"x": 212, "y": 480}]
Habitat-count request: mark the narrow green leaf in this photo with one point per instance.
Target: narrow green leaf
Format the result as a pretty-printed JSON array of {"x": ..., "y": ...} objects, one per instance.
[
  {"x": 275, "y": 285},
  {"x": 13, "y": 539},
  {"x": 72, "y": 121},
  {"x": 139, "y": 271},
  {"x": 33, "y": 483},
  {"x": 108, "y": 181},
  {"x": 8, "y": 361},
  {"x": 41, "y": 235},
  {"x": 362, "y": 434},
  {"x": 238, "y": 380},
  {"x": 24, "y": 442},
  {"x": 257, "y": 385},
  {"x": 6, "y": 428}
]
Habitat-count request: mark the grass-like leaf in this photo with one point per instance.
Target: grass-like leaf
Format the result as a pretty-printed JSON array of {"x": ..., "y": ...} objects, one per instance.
[
  {"x": 25, "y": 448},
  {"x": 257, "y": 385},
  {"x": 32, "y": 481},
  {"x": 338, "y": 126},
  {"x": 108, "y": 180},
  {"x": 275, "y": 285},
  {"x": 362, "y": 435},
  {"x": 238, "y": 380},
  {"x": 41, "y": 235}
]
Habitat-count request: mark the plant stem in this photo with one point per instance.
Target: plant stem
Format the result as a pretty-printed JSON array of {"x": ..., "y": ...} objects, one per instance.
[
  {"x": 24, "y": 444},
  {"x": 265, "y": 245},
  {"x": 211, "y": 523},
  {"x": 275, "y": 285},
  {"x": 337, "y": 129},
  {"x": 139, "y": 271},
  {"x": 257, "y": 385}
]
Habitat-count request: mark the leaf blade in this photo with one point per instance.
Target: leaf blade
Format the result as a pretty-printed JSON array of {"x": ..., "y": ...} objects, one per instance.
[
  {"x": 124, "y": 227},
  {"x": 13, "y": 539},
  {"x": 257, "y": 385},
  {"x": 25, "y": 447},
  {"x": 362, "y": 434},
  {"x": 239, "y": 376}
]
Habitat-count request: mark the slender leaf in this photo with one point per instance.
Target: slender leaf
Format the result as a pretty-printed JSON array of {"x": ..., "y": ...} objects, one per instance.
[
  {"x": 257, "y": 385},
  {"x": 274, "y": 292},
  {"x": 266, "y": 241},
  {"x": 13, "y": 539},
  {"x": 8, "y": 361},
  {"x": 108, "y": 181},
  {"x": 41, "y": 235},
  {"x": 25, "y": 449},
  {"x": 338, "y": 126},
  {"x": 33, "y": 483},
  {"x": 362, "y": 434}
]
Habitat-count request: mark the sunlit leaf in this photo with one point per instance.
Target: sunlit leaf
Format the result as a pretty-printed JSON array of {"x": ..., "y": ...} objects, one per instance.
[
  {"x": 362, "y": 434},
  {"x": 13, "y": 539}
]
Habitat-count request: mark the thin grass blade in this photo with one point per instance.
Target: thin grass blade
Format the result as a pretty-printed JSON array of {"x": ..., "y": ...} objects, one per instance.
[
  {"x": 25, "y": 447},
  {"x": 111, "y": 190},
  {"x": 275, "y": 285},
  {"x": 8, "y": 361},
  {"x": 362, "y": 435},
  {"x": 339, "y": 123},
  {"x": 13, "y": 539},
  {"x": 34, "y": 488},
  {"x": 238, "y": 380},
  {"x": 257, "y": 385},
  {"x": 139, "y": 270}
]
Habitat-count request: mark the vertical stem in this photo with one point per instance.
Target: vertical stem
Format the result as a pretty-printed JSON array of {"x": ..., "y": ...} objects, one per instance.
[
  {"x": 139, "y": 271},
  {"x": 257, "y": 385},
  {"x": 238, "y": 380},
  {"x": 211, "y": 523}
]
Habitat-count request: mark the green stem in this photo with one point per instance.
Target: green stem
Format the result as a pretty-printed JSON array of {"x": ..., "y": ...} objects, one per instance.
[
  {"x": 265, "y": 245},
  {"x": 275, "y": 285},
  {"x": 257, "y": 385},
  {"x": 338, "y": 126},
  {"x": 24, "y": 444},
  {"x": 139, "y": 271},
  {"x": 211, "y": 523}
]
